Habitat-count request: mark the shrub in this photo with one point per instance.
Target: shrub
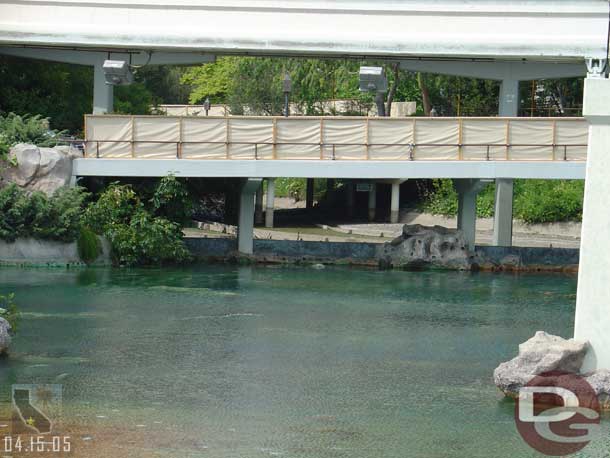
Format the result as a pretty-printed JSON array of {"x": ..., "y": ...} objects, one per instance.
[
  {"x": 88, "y": 245},
  {"x": 9, "y": 311},
  {"x": 171, "y": 200},
  {"x": 26, "y": 129},
  {"x": 137, "y": 237},
  {"x": 536, "y": 201},
  {"x": 36, "y": 215}
]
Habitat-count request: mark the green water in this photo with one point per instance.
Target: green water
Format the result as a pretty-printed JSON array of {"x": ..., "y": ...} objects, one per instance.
[{"x": 293, "y": 362}]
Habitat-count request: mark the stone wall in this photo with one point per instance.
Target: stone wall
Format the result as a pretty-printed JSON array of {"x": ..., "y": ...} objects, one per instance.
[{"x": 33, "y": 252}]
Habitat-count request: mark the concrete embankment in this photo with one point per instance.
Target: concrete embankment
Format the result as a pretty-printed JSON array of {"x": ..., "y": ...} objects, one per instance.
[
  {"x": 34, "y": 252},
  {"x": 368, "y": 254}
]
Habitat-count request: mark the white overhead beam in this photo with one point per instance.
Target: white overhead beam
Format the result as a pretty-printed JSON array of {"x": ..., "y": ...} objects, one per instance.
[
  {"x": 329, "y": 169},
  {"x": 515, "y": 71},
  {"x": 92, "y": 57},
  {"x": 538, "y": 30}
]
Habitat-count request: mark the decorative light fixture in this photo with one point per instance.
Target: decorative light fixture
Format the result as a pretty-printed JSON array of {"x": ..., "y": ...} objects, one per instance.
[{"x": 117, "y": 72}]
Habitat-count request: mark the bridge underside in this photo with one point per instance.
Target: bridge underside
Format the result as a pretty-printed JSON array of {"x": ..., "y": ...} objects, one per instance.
[{"x": 235, "y": 168}]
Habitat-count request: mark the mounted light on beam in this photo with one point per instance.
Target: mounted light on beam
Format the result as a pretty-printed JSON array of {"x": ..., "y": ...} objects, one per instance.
[
  {"x": 373, "y": 79},
  {"x": 117, "y": 72}
]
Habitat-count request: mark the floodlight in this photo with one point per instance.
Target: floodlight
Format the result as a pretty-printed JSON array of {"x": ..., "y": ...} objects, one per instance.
[
  {"x": 117, "y": 72},
  {"x": 373, "y": 79}
]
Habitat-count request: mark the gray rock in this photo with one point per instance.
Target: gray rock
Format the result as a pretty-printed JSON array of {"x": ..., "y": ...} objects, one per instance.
[
  {"x": 422, "y": 246},
  {"x": 27, "y": 158},
  {"x": 542, "y": 353},
  {"x": 5, "y": 337},
  {"x": 40, "y": 169},
  {"x": 600, "y": 382}
]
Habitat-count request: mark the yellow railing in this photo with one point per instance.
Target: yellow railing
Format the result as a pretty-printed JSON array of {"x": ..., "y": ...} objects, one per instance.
[{"x": 336, "y": 138}]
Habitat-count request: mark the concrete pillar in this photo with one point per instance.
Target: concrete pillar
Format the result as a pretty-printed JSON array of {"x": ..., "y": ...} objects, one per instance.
[
  {"x": 395, "y": 202},
  {"x": 503, "y": 214},
  {"x": 350, "y": 198},
  {"x": 270, "y": 202},
  {"x": 245, "y": 228},
  {"x": 509, "y": 98},
  {"x": 372, "y": 201},
  {"x": 467, "y": 190},
  {"x": 258, "y": 206},
  {"x": 309, "y": 193},
  {"x": 593, "y": 298},
  {"x": 103, "y": 93}
]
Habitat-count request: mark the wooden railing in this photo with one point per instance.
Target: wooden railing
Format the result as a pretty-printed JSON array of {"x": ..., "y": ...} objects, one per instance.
[{"x": 336, "y": 138}]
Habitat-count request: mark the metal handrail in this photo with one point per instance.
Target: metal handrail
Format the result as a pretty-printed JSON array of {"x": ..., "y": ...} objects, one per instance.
[{"x": 410, "y": 146}]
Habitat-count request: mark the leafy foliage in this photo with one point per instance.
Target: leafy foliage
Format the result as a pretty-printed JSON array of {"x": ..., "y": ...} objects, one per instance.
[
  {"x": 137, "y": 237},
  {"x": 38, "y": 216},
  {"x": 536, "y": 201},
  {"x": 25, "y": 129},
  {"x": 9, "y": 311},
  {"x": 171, "y": 200},
  {"x": 88, "y": 245}
]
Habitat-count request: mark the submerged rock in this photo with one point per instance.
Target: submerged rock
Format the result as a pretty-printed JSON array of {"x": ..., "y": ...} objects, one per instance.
[
  {"x": 5, "y": 337},
  {"x": 542, "y": 353},
  {"x": 422, "y": 246},
  {"x": 40, "y": 169}
]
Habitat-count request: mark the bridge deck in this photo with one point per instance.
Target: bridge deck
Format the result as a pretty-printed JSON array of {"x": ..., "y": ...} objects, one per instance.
[{"x": 335, "y": 147}]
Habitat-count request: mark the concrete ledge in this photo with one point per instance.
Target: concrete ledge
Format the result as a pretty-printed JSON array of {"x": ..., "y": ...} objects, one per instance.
[
  {"x": 367, "y": 254},
  {"x": 237, "y": 168},
  {"x": 34, "y": 252}
]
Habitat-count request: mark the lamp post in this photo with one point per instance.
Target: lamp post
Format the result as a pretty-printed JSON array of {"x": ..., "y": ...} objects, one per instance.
[
  {"x": 373, "y": 79},
  {"x": 207, "y": 105},
  {"x": 287, "y": 85}
]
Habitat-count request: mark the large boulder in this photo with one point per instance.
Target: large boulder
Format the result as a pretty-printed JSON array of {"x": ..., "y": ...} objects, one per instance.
[
  {"x": 422, "y": 246},
  {"x": 5, "y": 337},
  {"x": 542, "y": 353},
  {"x": 40, "y": 169}
]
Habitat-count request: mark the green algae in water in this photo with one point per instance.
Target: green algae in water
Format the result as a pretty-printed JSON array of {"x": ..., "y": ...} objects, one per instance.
[{"x": 294, "y": 362}]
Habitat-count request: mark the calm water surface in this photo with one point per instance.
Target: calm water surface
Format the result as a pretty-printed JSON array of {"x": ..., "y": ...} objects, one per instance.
[{"x": 291, "y": 362}]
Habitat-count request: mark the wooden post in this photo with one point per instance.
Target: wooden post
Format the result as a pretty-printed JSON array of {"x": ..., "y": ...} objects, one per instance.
[
  {"x": 460, "y": 138},
  {"x": 414, "y": 139},
  {"x": 133, "y": 136},
  {"x": 554, "y": 139},
  {"x": 366, "y": 138},
  {"x": 321, "y": 138},
  {"x": 507, "y": 139},
  {"x": 180, "y": 137},
  {"x": 227, "y": 137},
  {"x": 274, "y": 139}
]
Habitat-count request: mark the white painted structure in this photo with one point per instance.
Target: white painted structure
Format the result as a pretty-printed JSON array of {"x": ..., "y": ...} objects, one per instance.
[
  {"x": 593, "y": 298},
  {"x": 557, "y": 30}
]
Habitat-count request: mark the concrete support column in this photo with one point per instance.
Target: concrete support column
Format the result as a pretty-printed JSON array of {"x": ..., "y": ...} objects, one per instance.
[
  {"x": 350, "y": 198},
  {"x": 245, "y": 228},
  {"x": 270, "y": 202},
  {"x": 309, "y": 193},
  {"x": 258, "y": 206},
  {"x": 593, "y": 297},
  {"x": 467, "y": 190},
  {"x": 103, "y": 94},
  {"x": 395, "y": 202},
  {"x": 372, "y": 201},
  {"x": 503, "y": 214}
]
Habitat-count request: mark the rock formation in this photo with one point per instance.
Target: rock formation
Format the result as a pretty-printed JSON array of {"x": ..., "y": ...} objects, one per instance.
[
  {"x": 542, "y": 353},
  {"x": 5, "y": 337},
  {"x": 421, "y": 246},
  {"x": 40, "y": 169}
]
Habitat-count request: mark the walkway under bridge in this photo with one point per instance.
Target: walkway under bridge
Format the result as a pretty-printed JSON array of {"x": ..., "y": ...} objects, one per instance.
[{"x": 472, "y": 151}]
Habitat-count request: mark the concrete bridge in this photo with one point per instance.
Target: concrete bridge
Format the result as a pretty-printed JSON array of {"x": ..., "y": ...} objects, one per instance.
[{"x": 505, "y": 40}]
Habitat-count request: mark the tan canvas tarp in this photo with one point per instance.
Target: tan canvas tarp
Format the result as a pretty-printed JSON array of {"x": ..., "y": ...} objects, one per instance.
[{"x": 339, "y": 138}]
